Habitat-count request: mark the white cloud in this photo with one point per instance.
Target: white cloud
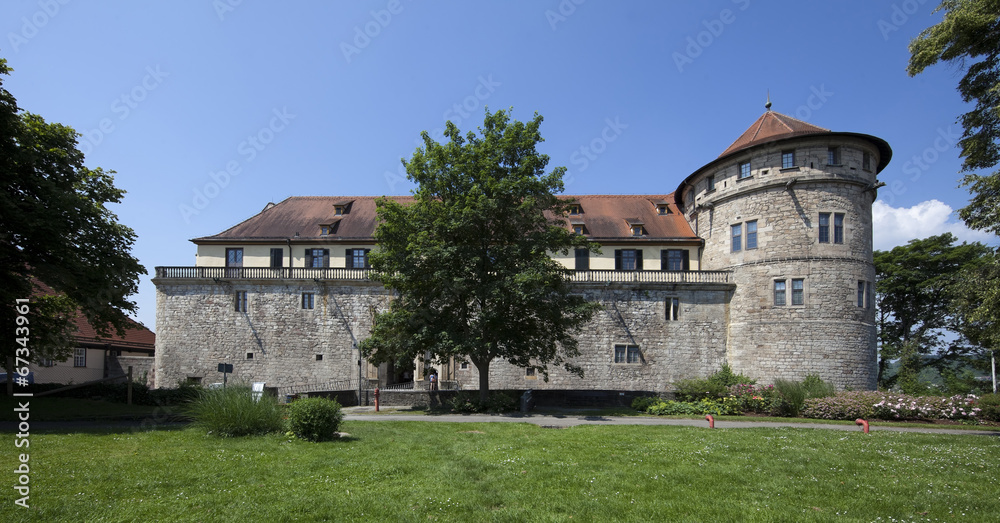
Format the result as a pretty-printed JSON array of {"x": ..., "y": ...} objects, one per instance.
[{"x": 894, "y": 226}]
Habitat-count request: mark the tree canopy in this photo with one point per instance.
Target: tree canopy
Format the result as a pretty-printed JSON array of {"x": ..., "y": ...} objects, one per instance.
[
  {"x": 969, "y": 38},
  {"x": 60, "y": 245},
  {"x": 918, "y": 297},
  {"x": 470, "y": 257}
]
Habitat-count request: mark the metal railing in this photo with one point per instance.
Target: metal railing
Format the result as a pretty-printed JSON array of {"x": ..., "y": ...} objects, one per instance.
[{"x": 332, "y": 273}]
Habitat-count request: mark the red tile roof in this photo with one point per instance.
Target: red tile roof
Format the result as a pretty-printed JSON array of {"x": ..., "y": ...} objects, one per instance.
[
  {"x": 300, "y": 217},
  {"x": 136, "y": 336},
  {"x": 769, "y": 127}
]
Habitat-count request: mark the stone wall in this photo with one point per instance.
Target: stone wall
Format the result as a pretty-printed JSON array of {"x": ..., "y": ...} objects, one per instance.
[
  {"x": 276, "y": 340},
  {"x": 141, "y": 366}
]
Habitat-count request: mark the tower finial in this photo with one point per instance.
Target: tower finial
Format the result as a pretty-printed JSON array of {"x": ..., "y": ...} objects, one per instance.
[{"x": 768, "y": 104}]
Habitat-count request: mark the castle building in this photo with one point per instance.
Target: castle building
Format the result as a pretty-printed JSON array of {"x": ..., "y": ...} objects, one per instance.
[{"x": 762, "y": 259}]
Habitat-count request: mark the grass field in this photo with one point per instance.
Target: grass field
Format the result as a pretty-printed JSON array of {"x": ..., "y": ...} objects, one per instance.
[{"x": 418, "y": 471}]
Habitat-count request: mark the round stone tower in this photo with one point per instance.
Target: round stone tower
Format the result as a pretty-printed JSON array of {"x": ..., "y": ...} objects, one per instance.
[{"x": 788, "y": 209}]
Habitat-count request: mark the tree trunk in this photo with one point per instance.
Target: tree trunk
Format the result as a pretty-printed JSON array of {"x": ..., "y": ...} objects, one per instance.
[{"x": 484, "y": 379}]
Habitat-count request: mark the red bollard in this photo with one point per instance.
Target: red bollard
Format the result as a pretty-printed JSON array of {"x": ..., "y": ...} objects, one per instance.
[
  {"x": 863, "y": 423},
  {"x": 711, "y": 421},
  {"x": 376, "y": 399}
]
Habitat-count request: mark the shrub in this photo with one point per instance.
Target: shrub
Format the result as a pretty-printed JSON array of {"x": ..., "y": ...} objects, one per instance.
[
  {"x": 815, "y": 387},
  {"x": 233, "y": 411},
  {"x": 990, "y": 403},
  {"x": 644, "y": 402},
  {"x": 314, "y": 419},
  {"x": 721, "y": 407},
  {"x": 695, "y": 389},
  {"x": 496, "y": 402},
  {"x": 753, "y": 398},
  {"x": 727, "y": 378},
  {"x": 790, "y": 398},
  {"x": 886, "y": 405},
  {"x": 848, "y": 405}
]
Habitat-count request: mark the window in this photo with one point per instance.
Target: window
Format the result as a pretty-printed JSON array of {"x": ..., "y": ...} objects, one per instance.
[
  {"x": 736, "y": 231},
  {"x": 787, "y": 159},
  {"x": 324, "y": 229},
  {"x": 249, "y": 355},
  {"x": 529, "y": 372},
  {"x": 838, "y": 227},
  {"x": 710, "y": 184},
  {"x": 308, "y": 300},
  {"x": 317, "y": 258},
  {"x": 779, "y": 292},
  {"x": 234, "y": 257},
  {"x": 662, "y": 210},
  {"x": 339, "y": 210},
  {"x": 866, "y": 161},
  {"x": 861, "y": 294},
  {"x": 833, "y": 156},
  {"x": 47, "y": 363},
  {"x": 79, "y": 357},
  {"x": 627, "y": 354},
  {"x": 824, "y": 227},
  {"x": 752, "y": 234},
  {"x": 575, "y": 209},
  {"x": 277, "y": 258},
  {"x": 673, "y": 309},
  {"x": 744, "y": 170},
  {"x": 798, "y": 292},
  {"x": 463, "y": 366},
  {"x": 578, "y": 229},
  {"x": 637, "y": 230},
  {"x": 240, "y": 301},
  {"x": 358, "y": 258},
  {"x": 628, "y": 260},
  {"x": 582, "y": 259},
  {"x": 675, "y": 260},
  {"x": 319, "y": 357}
]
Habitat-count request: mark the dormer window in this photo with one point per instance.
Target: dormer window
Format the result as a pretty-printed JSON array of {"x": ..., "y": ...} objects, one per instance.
[
  {"x": 636, "y": 226},
  {"x": 637, "y": 230},
  {"x": 338, "y": 210},
  {"x": 324, "y": 230},
  {"x": 578, "y": 229},
  {"x": 662, "y": 209},
  {"x": 575, "y": 209}
]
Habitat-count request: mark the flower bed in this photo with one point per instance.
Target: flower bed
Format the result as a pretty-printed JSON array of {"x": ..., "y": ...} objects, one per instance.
[{"x": 891, "y": 406}]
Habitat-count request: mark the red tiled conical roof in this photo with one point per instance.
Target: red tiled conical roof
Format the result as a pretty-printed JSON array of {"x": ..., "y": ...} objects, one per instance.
[{"x": 769, "y": 127}]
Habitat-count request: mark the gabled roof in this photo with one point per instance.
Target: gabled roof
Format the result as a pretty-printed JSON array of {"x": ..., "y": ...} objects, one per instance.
[
  {"x": 136, "y": 336},
  {"x": 299, "y": 218},
  {"x": 769, "y": 127}
]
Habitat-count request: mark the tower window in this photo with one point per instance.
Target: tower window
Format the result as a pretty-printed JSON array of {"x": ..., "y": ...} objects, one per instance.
[
  {"x": 673, "y": 309},
  {"x": 798, "y": 292},
  {"x": 824, "y": 227},
  {"x": 710, "y": 184},
  {"x": 833, "y": 156},
  {"x": 736, "y": 232},
  {"x": 779, "y": 293},
  {"x": 308, "y": 300},
  {"x": 838, "y": 227},
  {"x": 751, "y": 234},
  {"x": 744, "y": 170},
  {"x": 627, "y": 354},
  {"x": 787, "y": 159},
  {"x": 866, "y": 161},
  {"x": 240, "y": 301},
  {"x": 861, "y": 294}
]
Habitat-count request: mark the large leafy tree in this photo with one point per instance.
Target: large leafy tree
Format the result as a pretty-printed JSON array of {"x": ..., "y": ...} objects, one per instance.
[
  {"x": 917, "y": 292},
  {"x": 60, "y": 245},
  {"x": 968, "y": 38},
  {"x": 470, "y": 257}
]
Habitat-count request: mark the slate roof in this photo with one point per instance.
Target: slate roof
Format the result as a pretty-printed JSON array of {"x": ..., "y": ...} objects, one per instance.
[{"x": 300, "y": 218}]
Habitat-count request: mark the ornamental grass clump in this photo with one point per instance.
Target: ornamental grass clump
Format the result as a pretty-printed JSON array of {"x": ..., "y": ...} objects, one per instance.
[
  {"x": 314, "y": 419},
  {"x": 236, "y": 411}
]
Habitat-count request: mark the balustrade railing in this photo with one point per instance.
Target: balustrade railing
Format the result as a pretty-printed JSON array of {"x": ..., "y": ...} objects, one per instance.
[{"x": 336, "y": 273}]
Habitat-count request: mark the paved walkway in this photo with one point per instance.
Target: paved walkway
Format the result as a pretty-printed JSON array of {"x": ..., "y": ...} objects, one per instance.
[{"x": 569, "y": 419}]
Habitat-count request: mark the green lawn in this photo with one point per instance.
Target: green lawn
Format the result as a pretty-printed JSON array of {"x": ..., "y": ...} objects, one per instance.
[{"x": 419, "y": 471}]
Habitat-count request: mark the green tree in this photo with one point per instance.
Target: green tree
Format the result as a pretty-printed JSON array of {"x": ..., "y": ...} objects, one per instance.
[
  {"x": 470, "y": 257},
  {"x": 969, "y": 38},
  {"x": 59, "y": 243},
  {"x": 916, "y": 295}
]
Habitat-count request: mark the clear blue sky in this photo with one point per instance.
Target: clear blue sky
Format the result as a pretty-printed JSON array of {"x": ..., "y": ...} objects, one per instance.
[{"x": 324, "y": 98}]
